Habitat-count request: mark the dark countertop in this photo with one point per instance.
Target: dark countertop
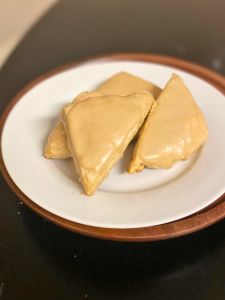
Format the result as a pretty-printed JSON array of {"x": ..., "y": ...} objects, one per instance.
[{"x": 39, "y": 260}]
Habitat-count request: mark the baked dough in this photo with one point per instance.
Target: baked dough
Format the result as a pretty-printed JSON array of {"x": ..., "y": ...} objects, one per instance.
[
  {"x": 99, "y": 130},
  {"x": 120, "y": 84},
  {"x": 125, "y": 83},
  {"x": 173, "y": 130},
  {"x": 56, "y": 146}
]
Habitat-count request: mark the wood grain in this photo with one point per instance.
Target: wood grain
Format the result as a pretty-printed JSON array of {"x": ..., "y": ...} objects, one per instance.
[{"x": 195, "y": 222}]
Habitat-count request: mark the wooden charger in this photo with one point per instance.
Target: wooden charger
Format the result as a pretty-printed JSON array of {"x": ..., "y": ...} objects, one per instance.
[{"x": 195, "y": 222}]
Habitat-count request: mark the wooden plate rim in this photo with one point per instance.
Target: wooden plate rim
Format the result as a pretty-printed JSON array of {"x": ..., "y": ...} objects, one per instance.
[{"x": 195, "y": 222}]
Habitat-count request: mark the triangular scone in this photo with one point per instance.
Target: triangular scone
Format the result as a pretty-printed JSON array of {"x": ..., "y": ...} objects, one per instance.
[
  {"x": 125, "y": 84},
  {"x": 99, "y": 130},
  {"x": 172, "y": 132},
  {"x": 56, "y": 146},
  {"x": 120, "y": 84}
]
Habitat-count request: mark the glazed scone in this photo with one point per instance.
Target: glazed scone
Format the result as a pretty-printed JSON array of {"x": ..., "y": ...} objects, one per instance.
[
  {"x": 172, "y": 132},
  {"x": 99, "y": 130},
  {"x": 120, "y": 84},
  {"x": 125, "y": 83},
  {"x": 56, "y": 146}
]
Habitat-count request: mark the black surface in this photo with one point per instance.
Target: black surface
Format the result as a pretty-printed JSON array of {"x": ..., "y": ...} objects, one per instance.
[{"x": 41, "y": 261}]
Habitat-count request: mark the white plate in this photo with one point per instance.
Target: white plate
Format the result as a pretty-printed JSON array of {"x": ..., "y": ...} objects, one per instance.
[{"x": 149, "y": 198}]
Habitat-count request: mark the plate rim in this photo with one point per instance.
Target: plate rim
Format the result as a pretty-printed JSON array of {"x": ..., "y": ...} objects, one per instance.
[{"x": 202, "y": 219}]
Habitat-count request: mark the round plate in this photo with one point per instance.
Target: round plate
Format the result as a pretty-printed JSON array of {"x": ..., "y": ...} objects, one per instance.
[{"x": 125, "y": 207}]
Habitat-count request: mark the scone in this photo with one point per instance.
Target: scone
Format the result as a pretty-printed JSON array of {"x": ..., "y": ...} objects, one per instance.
[
  {"x": 99, "y": 130},
  {"x": 174, "y": 130},
  {"x": 125, "y": 84},
  {"x": 120, "y": 84},
  {"x": 56, "y": 146}
]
